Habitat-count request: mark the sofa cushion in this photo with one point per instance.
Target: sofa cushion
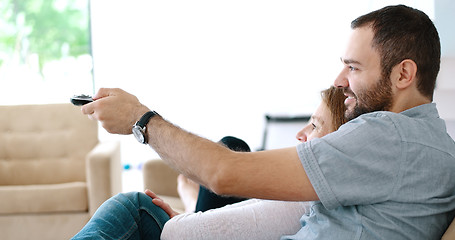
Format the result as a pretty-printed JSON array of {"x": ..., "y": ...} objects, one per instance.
[
  {"x": 51, "y": 198},
  {"x": 41, "y": 171},
  {"x": 36, "y": 140}
]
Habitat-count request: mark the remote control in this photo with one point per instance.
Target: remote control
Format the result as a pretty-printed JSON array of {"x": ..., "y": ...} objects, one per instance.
[{"x": 80, "y": 100}]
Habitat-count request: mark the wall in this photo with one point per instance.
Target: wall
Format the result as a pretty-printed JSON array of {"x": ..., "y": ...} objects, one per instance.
[
  {"x": 213, "y": 68},
  {"x": 216, "y": 67},
  {"x": 445, "y": 89}
]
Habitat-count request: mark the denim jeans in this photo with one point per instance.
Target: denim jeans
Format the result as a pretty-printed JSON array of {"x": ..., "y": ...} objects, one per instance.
[{"x": 125, "y": 216}]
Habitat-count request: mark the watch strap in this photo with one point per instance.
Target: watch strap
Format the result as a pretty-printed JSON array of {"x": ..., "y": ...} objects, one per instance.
[{"x": 146, "y": 118}]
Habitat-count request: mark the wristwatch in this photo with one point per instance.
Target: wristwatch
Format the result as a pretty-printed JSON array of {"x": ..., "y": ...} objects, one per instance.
[{"x": 139, "y": 128}]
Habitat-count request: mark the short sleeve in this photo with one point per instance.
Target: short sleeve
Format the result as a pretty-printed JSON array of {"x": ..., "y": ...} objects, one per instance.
[{"x": 358, "y": 164}]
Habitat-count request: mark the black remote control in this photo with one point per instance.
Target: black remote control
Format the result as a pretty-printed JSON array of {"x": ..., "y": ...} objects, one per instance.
[{"x": 80, "y": 100}]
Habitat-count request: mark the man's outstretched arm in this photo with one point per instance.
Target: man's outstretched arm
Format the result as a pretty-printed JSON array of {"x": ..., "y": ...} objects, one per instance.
[{"x": 275, "y": 174}]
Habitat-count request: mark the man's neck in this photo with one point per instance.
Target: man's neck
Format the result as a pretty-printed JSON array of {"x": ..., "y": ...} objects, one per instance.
[{"x": 405, "y": 101}]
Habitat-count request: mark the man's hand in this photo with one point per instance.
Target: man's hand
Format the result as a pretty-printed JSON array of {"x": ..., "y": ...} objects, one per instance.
[
  {"x": 160, "y": 203},
  {"x": 116, "y": 110}
]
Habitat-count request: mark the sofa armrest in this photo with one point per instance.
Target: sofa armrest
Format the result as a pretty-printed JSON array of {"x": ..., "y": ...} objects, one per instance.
[
  {"x": 160, "y": 178},
  {"x": 104, "y": 171}
]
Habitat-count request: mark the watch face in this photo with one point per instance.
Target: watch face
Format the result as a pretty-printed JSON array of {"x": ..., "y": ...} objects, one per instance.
[{"x": 138, "y": 134}]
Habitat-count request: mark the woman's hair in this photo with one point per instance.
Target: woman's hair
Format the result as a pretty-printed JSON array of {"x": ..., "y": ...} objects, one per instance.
[{"x": 334, "y": 98}]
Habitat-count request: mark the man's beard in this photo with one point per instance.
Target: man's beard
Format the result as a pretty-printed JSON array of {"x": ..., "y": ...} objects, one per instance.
[{"x": 374, "y": 99}]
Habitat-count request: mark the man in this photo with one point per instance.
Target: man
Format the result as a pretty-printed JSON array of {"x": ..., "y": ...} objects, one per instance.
[{"x": 378, "y": 176}]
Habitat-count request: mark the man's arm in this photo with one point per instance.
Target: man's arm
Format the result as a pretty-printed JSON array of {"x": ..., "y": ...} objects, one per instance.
[{"x": 276, "y": 174}]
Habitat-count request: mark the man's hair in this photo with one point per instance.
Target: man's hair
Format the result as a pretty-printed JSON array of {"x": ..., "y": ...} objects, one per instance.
[{"x": 400, "y": 33}]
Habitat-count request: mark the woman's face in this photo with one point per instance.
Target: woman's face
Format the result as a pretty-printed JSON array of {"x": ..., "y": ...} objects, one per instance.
[{"x": 320, "y": 124}]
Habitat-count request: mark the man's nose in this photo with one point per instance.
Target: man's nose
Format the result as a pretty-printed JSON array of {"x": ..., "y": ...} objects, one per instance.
[{"x": 341, "y": 81}]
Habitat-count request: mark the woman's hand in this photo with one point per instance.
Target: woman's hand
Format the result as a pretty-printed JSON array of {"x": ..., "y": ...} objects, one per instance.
[{"x": 160, "y": 203}]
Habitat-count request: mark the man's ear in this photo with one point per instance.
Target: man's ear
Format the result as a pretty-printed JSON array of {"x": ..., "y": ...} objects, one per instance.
[{"x": 405, "y": 73}]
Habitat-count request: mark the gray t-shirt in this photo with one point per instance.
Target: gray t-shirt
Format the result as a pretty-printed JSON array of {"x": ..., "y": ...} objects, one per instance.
[{"x": 382, "y": 175}]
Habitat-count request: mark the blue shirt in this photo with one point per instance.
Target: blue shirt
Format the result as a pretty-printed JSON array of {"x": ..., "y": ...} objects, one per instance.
[{"x": 382, "y": 175}]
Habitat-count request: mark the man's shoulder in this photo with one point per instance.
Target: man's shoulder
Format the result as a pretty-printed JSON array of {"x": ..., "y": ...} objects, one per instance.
[
  {"x": 380, "y": 122},
  {"x": 422, "y": 117},
  {"x": 420, "y": 125},
  {"x": 424, "y": 111}
]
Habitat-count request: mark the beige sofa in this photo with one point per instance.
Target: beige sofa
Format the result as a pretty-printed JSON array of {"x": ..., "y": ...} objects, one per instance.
[
  {"x": 54, "y": 173},
  {"x": 161, "y": 179}
]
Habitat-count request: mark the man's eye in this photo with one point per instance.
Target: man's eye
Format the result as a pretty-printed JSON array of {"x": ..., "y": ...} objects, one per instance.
[
  {"x": 314, "y": 126},
  {"x": 351, "y": 68}
]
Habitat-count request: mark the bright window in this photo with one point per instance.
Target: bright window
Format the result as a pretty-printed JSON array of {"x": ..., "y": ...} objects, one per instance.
[{"x": 44, "y": 50}]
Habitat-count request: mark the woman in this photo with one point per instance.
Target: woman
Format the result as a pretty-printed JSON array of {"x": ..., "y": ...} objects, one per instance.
[
  {"x": 197, "y": 198},
  {"x": 133, "y": 216}
]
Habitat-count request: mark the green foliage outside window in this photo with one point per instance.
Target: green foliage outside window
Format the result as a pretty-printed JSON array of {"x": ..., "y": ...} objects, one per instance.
[{"x": 51, "y": 29}]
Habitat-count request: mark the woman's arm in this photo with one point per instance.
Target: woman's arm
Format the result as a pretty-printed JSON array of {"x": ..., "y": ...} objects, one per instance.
[{"x": 250, "y": 219}]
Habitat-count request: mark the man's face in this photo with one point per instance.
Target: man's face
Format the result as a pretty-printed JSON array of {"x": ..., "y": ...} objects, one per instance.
[{"x": 361, "y": 78}]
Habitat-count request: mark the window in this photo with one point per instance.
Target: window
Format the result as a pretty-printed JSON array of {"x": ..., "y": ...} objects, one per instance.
[{"x": 44, "y": 51}]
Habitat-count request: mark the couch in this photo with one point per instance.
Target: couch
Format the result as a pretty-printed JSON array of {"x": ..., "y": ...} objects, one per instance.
[
  {"x": 162, "y": 180},
  {"x": 54, "y": 173}
]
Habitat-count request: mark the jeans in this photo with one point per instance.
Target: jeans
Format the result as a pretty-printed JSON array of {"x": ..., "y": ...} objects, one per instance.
[{"x": 125, "y": 216}]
